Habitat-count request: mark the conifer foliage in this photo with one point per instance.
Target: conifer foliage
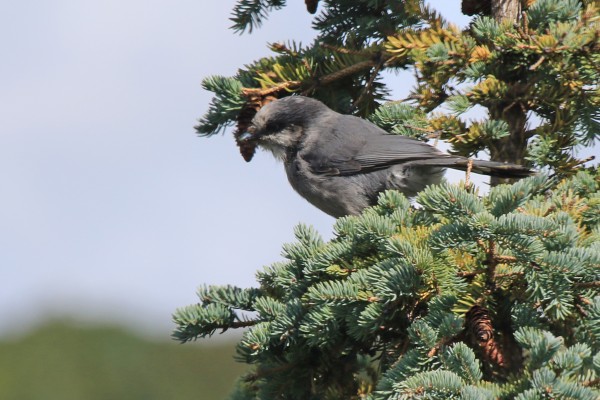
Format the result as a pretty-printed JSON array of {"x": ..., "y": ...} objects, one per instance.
[{"x": 466, "y": 296}]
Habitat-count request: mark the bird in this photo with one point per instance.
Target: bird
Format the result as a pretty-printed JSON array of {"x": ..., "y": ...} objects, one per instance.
[{"x": 340, "y": 163}]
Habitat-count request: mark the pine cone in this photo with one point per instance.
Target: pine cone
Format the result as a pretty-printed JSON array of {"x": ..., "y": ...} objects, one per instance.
[
  {"x": 479, "y": 326},
  {"x": 311, "y": 5},
  {"x": 254, "y": 103},
  {"x": 472, "y": 7}
]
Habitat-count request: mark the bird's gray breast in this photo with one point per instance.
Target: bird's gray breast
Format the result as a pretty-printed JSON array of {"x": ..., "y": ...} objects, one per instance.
[{"x": 335, "y": 195}]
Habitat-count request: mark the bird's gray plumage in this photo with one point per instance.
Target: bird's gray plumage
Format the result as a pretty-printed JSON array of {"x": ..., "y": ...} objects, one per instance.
[{"x": 340, "y": 163}]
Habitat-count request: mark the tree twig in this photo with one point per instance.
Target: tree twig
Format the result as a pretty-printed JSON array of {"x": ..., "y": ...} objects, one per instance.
[
  {"x": 587, "y": 285},
  {"x": 369, "y": 84},
  {"x": 468, "y": 174}
]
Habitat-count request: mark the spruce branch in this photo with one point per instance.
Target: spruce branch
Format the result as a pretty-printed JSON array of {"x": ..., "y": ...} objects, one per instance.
[
  {"x": 284, "y": 86},
  {"x": 539, "y": 62},
  {"x": 347, "y": 71},
  {"x": 469, "y": 296},
  {"x": 315, "y": 82},
  {"x": 246, "y": 323},
  {"x": 590, "y": 383},
  {"x": 264, "y": 372},
  {"x": 468, "y": 174},
  {"x": 586, "y": 285},
  {"x": 342, "y": 50},
  {"x": 372, "y": 76}
]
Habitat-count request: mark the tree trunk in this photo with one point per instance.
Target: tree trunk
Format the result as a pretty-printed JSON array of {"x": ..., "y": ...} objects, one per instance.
[
  {"x": 506, "y": 9},
  {"x": 511, "y": 148}
]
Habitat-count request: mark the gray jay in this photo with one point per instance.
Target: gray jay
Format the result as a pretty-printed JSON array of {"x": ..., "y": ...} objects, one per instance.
[{"x": 340, "y": 163}]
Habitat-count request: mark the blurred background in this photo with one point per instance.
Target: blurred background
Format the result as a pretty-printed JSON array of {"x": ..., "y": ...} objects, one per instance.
[{"x": 112, "y": 210}]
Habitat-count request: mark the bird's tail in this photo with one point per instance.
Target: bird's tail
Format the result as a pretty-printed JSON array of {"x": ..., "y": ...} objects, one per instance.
[{"x": 492, "y": 168}]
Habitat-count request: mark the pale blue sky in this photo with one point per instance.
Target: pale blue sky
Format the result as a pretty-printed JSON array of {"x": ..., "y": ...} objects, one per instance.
[{"x": 111, "y": 207}]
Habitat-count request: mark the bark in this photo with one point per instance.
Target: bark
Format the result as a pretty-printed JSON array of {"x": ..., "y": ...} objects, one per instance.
[
  {"x": 511, "y": 149},
  {"x": 506, "y": 9}
]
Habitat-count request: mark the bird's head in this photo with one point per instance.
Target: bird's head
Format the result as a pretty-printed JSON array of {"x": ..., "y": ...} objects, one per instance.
[{"x": 280, "y": 126}]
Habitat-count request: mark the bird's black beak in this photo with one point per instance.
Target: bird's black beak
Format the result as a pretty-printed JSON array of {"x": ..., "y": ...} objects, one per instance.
[{"x": 249, "y": 136}]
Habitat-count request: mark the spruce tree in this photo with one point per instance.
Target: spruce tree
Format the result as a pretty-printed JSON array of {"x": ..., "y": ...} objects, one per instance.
[{"x": 466, "y": 296}]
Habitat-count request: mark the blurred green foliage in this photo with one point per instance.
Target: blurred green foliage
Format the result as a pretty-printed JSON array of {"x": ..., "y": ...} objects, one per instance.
[{"x": 65, "y": 361}]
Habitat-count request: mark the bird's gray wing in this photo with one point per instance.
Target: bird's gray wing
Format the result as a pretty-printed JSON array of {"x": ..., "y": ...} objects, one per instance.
[{"x": 353, "y": 145}]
